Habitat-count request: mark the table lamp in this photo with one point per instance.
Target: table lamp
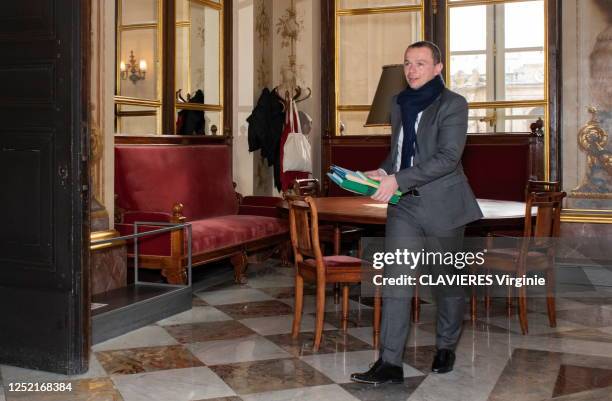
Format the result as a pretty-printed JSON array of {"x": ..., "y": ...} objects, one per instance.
[{"x": 392, "y": 81}]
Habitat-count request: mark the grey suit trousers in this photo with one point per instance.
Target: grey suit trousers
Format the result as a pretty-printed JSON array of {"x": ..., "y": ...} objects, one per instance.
[{"x": 409, "y": 227}]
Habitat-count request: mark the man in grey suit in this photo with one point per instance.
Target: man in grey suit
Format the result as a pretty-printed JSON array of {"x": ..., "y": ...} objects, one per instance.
[{"x": 429, "y": 129}]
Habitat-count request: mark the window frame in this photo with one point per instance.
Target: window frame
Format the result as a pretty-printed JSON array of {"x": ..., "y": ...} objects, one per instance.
[
  {"x": 347, "y": 12},
  {"x": 547, "y": 166}
]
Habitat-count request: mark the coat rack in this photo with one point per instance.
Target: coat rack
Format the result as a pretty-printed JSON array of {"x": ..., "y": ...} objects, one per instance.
[{"x": 298, "y": 96}]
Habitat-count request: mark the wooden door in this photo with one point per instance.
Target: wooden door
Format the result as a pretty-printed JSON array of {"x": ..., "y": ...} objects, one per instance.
[{"x": 44, "y": 198}]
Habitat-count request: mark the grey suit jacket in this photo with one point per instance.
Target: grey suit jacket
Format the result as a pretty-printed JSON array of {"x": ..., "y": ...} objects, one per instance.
[{"x": 437, "y": 172}]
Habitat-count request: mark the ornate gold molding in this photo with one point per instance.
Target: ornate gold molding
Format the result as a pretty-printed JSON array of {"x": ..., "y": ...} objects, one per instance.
[
  {"x": 106, "y": 234},
  {"x": 592, "y": 139}
]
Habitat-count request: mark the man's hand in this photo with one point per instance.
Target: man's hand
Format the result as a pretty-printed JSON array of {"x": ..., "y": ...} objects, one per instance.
[
  {"x": 376, "y": 174},
  {"x": 388, "y": 186}
]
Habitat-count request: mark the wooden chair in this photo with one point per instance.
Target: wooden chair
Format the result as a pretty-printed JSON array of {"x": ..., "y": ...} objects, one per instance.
[
  {"x": 541, "y": 186},
  {"x": 336, "y": 235},
  {"x": 327, "y": 233},
  {"x": 534, "y": 252},
  {"x": 311, "y": 265},
  {"x": 532, "y": 186}
]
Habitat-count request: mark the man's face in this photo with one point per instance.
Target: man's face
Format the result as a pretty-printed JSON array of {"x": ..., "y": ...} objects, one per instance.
[{"x": 419, "y": 66}]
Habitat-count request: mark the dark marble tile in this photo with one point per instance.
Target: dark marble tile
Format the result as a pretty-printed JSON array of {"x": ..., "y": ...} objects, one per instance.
[
  {"x": 226, "y": 285},
  {"x": 368, "y": 301},
  {"x": 582, "y": 334},
  {"x": 195, "y": 301},
  {"x": 541, "y": 375},
  {"x": 271, "y": 375},
  {"x": 498, "y": 307},
  {"x": 591, "y": 361},
  {"x": 356, "y": 318},
  {"x": 233, "y": 398},
  {"x": 268, "y": 267},
  {"x": 420, "y": 357},
  {"x": 600, "y": 394},
  {"x": 483, "y": 327},
  {"x": 256, "y": 309},
  {"x": 148, "y": 359},
  {"x": 286, "y": 292},
  {"x": 208, "y": 331},
  {"x": 529, "y": 375},
  {"x": 333, "y": 341},
  {"x": 101, "y": 389},
  {"x": 478, "y": 325},
  {"x": 385, "y": 392},
  {"x": 600, "y": 301},
  {"x": 575, "y": 379},
  {"x": 593, "y": 316}
]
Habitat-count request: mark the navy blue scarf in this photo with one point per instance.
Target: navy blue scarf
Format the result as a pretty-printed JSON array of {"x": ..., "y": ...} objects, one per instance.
[{"x": 411, "y": 103}]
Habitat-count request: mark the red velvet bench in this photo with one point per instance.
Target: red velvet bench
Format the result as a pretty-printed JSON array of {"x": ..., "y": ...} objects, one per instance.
[{"x": 193, "y": 184}]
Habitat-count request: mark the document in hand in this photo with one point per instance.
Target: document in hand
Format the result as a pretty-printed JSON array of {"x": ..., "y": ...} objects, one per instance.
[{"x": 357, "y": 182}]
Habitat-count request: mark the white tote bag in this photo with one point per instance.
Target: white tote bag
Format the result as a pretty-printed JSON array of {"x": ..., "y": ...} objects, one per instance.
[{"x": 296, "y": 152}]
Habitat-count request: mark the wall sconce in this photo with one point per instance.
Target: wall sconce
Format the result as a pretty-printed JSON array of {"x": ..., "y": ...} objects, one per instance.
[{"x": 135, "y": 72}]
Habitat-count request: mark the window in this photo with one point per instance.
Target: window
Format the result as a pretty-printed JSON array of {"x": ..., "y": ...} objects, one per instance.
[
  {"x": 496, "y": 58},
  {"x": 361, "y": 31},
  {"x": 188, "y": 98}
]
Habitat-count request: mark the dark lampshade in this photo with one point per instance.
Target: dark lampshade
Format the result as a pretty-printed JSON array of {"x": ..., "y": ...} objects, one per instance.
[{"x": 392, "y": 81}]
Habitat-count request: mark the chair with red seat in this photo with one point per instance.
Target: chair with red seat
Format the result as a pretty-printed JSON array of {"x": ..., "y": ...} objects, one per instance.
[{"x": 311, "y": 265}]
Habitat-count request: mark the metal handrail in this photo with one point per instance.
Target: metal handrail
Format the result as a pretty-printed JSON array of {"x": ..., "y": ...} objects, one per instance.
[{"x": 169, "y": 227}]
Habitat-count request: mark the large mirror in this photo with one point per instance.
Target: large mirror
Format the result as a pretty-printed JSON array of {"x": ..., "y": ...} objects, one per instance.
[
  {"x": 145, "y": 102},
  {"x": 199, "y": 28}
]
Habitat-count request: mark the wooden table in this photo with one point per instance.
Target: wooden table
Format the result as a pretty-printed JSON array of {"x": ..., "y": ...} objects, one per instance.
[
  {"x": 497, "y": 215},
  {"x": 365, "y": 210}
]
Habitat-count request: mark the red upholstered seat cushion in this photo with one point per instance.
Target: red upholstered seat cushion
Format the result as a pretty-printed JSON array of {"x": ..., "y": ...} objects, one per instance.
[
  {"x": 220, "y": 232},
  {"x": 338, "y": 261}
]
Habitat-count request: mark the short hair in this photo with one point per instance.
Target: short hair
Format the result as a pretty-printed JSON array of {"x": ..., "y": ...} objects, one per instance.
[{"x": 435, "y": 50}]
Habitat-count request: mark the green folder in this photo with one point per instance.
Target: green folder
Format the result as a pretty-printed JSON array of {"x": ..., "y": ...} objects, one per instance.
[{"x": 358, "y": 188}]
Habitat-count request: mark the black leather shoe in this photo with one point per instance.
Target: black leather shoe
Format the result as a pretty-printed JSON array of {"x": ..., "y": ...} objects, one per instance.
[
  {"x": 443, "y": 361},
  {"x": 381, "y": 372}
]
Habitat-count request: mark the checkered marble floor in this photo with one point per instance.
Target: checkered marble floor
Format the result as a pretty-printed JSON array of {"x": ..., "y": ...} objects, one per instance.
[{"x": 235, "y": 344}]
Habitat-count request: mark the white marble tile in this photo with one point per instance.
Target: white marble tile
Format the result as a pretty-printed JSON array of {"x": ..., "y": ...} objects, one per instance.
[
  {"x": 566, "y": 345},
  {"x": 172, "y": 385},
  {"x": 341, "y": 365},
  {"x": 537, "y": 323},
  {"x": 362, "y": 333},
  {"x": 316, "y": 393},
  {"x": 310, "y": 304},
  {"x": 12, "y": 374},
  {"x": 281, "y": 324},
  {"x": 234, "y": 296},
  {"x": 148, "y": 336},
  {"x": 416, "y": 338},
  {"x": 474, "y": 376},
  {"x": 251, "y": 348},
  {"x": 195, "y": 315}
]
